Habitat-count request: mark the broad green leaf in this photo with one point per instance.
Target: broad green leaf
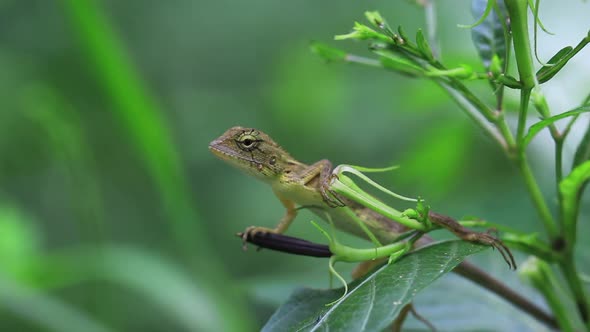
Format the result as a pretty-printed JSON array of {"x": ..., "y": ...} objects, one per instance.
[
  {"x": 371, "y": 303},
  {"x": 571, "y": 189},
  {"x": 583, "y": 150},
  {"x": 488, "y": 37},
  {"x": 537, "y": 127}
]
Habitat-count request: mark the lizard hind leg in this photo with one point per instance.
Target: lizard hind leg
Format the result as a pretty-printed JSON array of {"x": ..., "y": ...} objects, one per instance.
[
  {"x": 495, "y": 243},
  {"x": 476, "y": 237}
]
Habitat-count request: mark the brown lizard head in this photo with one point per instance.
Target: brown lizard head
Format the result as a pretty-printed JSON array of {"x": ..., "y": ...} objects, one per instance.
[{"x": 252, "y": 151}]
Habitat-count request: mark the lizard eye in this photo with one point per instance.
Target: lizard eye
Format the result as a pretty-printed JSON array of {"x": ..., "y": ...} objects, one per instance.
[{"x": 247, "y": 142}]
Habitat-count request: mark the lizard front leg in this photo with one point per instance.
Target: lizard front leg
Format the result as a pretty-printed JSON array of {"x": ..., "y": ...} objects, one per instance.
[
  {"x": 323, "y": 171},
  {"x": 282, "y": 226}
]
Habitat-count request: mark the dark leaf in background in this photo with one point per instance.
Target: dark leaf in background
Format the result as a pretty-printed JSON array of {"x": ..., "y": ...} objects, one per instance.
[{"x": 488, "y": 37}]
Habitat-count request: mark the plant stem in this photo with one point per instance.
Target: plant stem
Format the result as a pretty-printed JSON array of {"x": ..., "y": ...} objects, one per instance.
[
  {"x": 568, "y": 268},
  {"x": 430, "y": 15},
  {"x": 506, "y": 133},
  {"x": 517, "y": 10},
  {"x": 525, "y": 96},
  {"x": 474, "y": 113},
  {"x": 537, "y": 197},
  {"x": 558, "y": 162}
]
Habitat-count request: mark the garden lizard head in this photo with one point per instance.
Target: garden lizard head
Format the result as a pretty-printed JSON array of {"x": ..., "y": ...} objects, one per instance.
[{"x": 253, "y": 152}]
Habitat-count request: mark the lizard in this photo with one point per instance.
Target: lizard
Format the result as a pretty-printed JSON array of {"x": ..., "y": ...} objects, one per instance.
[{"x": 296, "y": 183}]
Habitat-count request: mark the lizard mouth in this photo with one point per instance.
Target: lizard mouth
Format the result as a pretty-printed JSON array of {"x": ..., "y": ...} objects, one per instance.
[{"x": 227, "y": 154}]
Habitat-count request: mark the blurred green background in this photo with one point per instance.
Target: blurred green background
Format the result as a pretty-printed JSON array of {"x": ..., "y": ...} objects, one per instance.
[{"x": 114, "y": 216}]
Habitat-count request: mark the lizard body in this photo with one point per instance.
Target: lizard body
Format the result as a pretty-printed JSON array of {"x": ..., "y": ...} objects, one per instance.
[{"x": 296, "y": 183}]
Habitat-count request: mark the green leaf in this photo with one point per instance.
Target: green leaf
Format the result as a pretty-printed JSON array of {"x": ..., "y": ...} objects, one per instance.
[
  {"x": 363, "y": 32},
  {"x": 327, "y": 53},
  {"x": 560, "y": 59},
  {"x": 371, "y": 303},
  {"x": 423, "y": 46},
  {"x": 583, "y": 150},
  {"x": 554, "y": 65},
  {"x": 571, "y": 189},
  {"x": 537, "y": 127},
  {"x": 488, "y": 37}
]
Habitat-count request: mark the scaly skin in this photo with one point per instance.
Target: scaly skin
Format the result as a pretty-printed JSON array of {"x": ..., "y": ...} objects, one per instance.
[{"x": 296, "y": 183}]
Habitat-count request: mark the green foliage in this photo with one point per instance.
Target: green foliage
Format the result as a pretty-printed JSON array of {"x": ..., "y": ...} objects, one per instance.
[
  {"x": 559, "y": 60},
  {"x": 494, "y": 38},
  {"x": 373, "y": 302},
  {"x": 537, "y": 127},
  {"x": 113, "y": 216}
]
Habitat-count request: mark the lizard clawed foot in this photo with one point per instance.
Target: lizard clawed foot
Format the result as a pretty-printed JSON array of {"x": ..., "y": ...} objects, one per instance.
[
  {"x": 468, "y": 235},
  {"x": 250, "y": 232},
  {"x": 494, "y": 242},
  {"x": 330, "y": 197}
]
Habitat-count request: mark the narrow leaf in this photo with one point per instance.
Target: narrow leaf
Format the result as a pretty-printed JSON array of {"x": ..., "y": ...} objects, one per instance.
[
  {"x": 560, "y": 59},
  {"x": 328, "y": 53},
  {"x": 423, "y": 45},
  {"x": 372, "y": 303},
  {"x": 537, "y": 127},
  {"x": 554, "y": 65},
  {"x": 571, "y": 189},
  {"x": 488, "y": 37}
]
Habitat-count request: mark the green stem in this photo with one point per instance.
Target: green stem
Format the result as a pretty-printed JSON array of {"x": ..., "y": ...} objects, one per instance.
[
  {"x": 568, "y": 268},
  {"x": 517, "y": 11},
  {"x": 542, "y": 277},
  {"x": 344, "y": 186},
  {"x": 525, "y": 96},
  {"x": 473, "y": 112},
  {"x": 537, "y": 197},
  {"x": 430, "y": 17},
  {"x": 506, "y": 133}
]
